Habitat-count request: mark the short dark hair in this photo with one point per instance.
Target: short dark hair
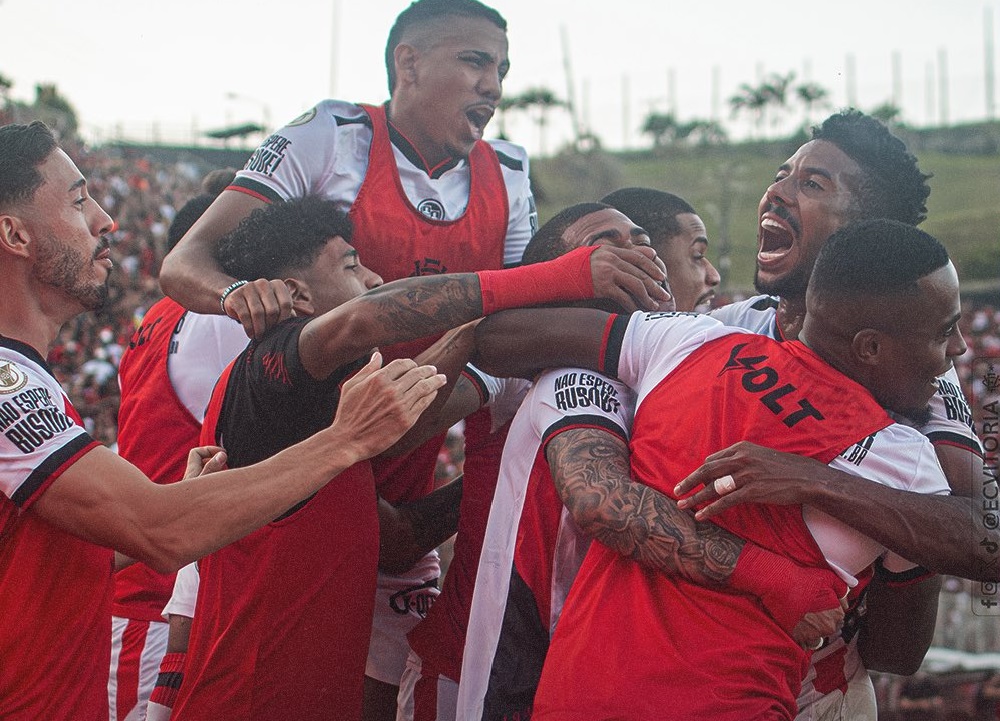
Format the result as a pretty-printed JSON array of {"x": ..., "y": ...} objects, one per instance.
[
  {"x": 211, "y": 186},
  {"x": 424, "y": 11},
  {"x": 547, "y": 242},
  {"x": 655, "y": 211},
  {"x": 281, "y": 237},
  {"x": 893, "y": 186},
  {"x": 875, "y": 257},
  {"x": 22, "y": 149}
]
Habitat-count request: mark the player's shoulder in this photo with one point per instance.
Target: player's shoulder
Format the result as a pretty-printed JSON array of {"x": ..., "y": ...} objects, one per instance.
[
  {"x": 328, "y": 114},
  {"x": 511, "y": 156},
  {"x": 755, "y": 306}
]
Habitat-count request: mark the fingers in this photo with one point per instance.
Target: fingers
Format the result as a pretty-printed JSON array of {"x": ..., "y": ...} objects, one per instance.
[
  {"x": 259, "y": 305},
  {"x": 724, "y": 485},
  {"x": 201, "y": 457},
  {"x": 215, "y": 463},
  {"x": 630, "y": 277}
]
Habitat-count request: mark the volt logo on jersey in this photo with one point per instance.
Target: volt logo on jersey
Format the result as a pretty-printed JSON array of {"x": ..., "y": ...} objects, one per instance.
[{"x": 758, "y": 378}]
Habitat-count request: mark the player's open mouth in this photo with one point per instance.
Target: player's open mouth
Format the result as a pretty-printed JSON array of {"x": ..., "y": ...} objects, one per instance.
[
  {"x": 480, "y": 116},
  {"x": 775, "y": 239}
]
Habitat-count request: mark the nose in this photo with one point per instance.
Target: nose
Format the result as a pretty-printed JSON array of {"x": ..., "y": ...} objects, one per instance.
[
  {"x": 101, "y": 223},
  {"x": 779, "y": 192},
  {"x": 957, "y": 345},
  {"x": 490, "y": 84},
  {"x": 712, "y": 277},
  {"x": 374, "y": 280}
]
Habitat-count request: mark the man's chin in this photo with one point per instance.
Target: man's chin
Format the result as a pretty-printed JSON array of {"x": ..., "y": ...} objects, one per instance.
[
  {"x": 915, "y": 418},
  {"x": 789, "y": 285}
]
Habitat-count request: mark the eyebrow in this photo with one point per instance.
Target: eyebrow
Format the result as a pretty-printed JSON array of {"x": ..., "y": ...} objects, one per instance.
[
  {"x": 82, "y": 182},
  {"x": 823, "y": 172}
]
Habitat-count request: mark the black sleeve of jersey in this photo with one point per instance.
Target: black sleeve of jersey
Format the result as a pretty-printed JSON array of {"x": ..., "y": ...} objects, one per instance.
[
  {"x": 271, "y": 401},
  {"x": 612, "y": 351}
]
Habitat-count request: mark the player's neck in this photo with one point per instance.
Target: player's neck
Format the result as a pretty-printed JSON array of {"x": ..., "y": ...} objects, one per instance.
[
  {"x": 791, "y": 314},
  {"x": 30, "y": 314}
]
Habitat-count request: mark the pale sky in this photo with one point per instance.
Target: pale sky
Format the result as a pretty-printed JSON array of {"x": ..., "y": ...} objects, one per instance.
[{"x": 188, "y": 66}]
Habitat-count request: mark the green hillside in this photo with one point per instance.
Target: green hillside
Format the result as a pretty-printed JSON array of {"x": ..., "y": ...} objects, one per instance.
[{"x": 726, "y": 183}]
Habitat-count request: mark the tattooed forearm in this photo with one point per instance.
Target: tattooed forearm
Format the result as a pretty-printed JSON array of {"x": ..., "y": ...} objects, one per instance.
[
  {"x": 590, "y": 468},
  {"x": 428, "y": 304}
]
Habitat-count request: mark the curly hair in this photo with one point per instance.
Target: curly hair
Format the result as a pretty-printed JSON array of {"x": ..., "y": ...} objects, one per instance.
[
  {"x": 281, "y": 237},
  {"x": 422, "y": 12},
  {"x": 893, "y": 186}
]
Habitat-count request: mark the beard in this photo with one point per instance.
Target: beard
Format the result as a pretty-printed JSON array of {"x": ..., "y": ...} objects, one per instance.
[
  {"x": 62, "y": 267},
  {"x": 792, "y": 285}
]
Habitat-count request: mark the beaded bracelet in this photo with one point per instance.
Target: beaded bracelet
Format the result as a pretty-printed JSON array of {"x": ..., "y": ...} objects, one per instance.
[{"x": 229, "y": 289}]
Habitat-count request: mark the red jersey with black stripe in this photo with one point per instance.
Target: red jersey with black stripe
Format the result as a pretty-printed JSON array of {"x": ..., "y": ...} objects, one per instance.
[
  {"x": 283, "y": 615},
  {"x": 55, "y": 640}
]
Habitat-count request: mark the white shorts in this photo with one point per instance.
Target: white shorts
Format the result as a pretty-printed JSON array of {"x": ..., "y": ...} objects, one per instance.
[
  {"x": 425, "y": 697},
  {"x": 401, "y": 602},
  {"x": 137, "y": 647},
  {"x": 856, "y": 704}
]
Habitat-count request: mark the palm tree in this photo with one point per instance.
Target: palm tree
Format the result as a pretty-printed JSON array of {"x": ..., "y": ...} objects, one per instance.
[
  {"x": 661, "y": 126},
  {"x": 543, "y": 100},
  {"x": 811, "y": 95},
  {"x": 753, "y": 101}
]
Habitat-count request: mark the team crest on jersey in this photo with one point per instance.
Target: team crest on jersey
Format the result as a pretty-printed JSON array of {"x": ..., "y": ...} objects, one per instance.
[
  {"x": 304, "y": 118},
  {"x": 12, "y": 378},
  {"x": 431, "y": 209}
]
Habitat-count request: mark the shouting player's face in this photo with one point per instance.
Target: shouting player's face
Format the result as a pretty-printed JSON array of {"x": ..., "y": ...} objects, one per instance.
[
  {"x": 454, "y": 82},
  {"x": 813, "y": 194}
]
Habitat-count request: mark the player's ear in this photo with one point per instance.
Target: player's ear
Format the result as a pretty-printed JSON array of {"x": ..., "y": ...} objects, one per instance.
[
  {"x": 405, "y": 57},
  {"x": 302, "y": 303},
  {"x": 868, "y": 346},
  {"x": 14, "y": 238}
]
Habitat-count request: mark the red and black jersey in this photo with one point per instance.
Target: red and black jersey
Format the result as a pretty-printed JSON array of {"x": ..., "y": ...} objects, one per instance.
[{"x": 284, "y": 614}]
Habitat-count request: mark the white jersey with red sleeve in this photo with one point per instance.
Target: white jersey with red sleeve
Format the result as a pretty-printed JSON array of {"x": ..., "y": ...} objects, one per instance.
[
  {"x": 56, "y": 598},
  {"x": 950, "y": 419},
  {"x": 837, "y": 669},
  {"x": 325, "y": 152},
  {"x": 560, "y": 400},
  {"x": 686, "y": 647}
]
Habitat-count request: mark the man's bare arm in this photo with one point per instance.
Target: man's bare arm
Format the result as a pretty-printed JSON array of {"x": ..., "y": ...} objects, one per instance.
[
  {"x": 191, "y": 275},
  {"x": 409, "y": 531},
  {"x": 898, "y": 625},
  {"x": 104, "y": 499},
  {"x": 418, "y": 307},
  {"x": 520, "y": 343},
  {"x": 590, "y": 468},
  {"x": 935, "y": 532}
]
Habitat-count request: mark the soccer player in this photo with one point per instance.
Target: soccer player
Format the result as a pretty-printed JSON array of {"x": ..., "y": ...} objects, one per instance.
[
  {"x": 264, "y": 641},
  {"x": 66, "y": 500},
  {"x": 429, "y": 684},
  {"x": 426, "y": 195},
  {"x": 685, "y": 655},
  {"x": 679, "y": 238}
]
